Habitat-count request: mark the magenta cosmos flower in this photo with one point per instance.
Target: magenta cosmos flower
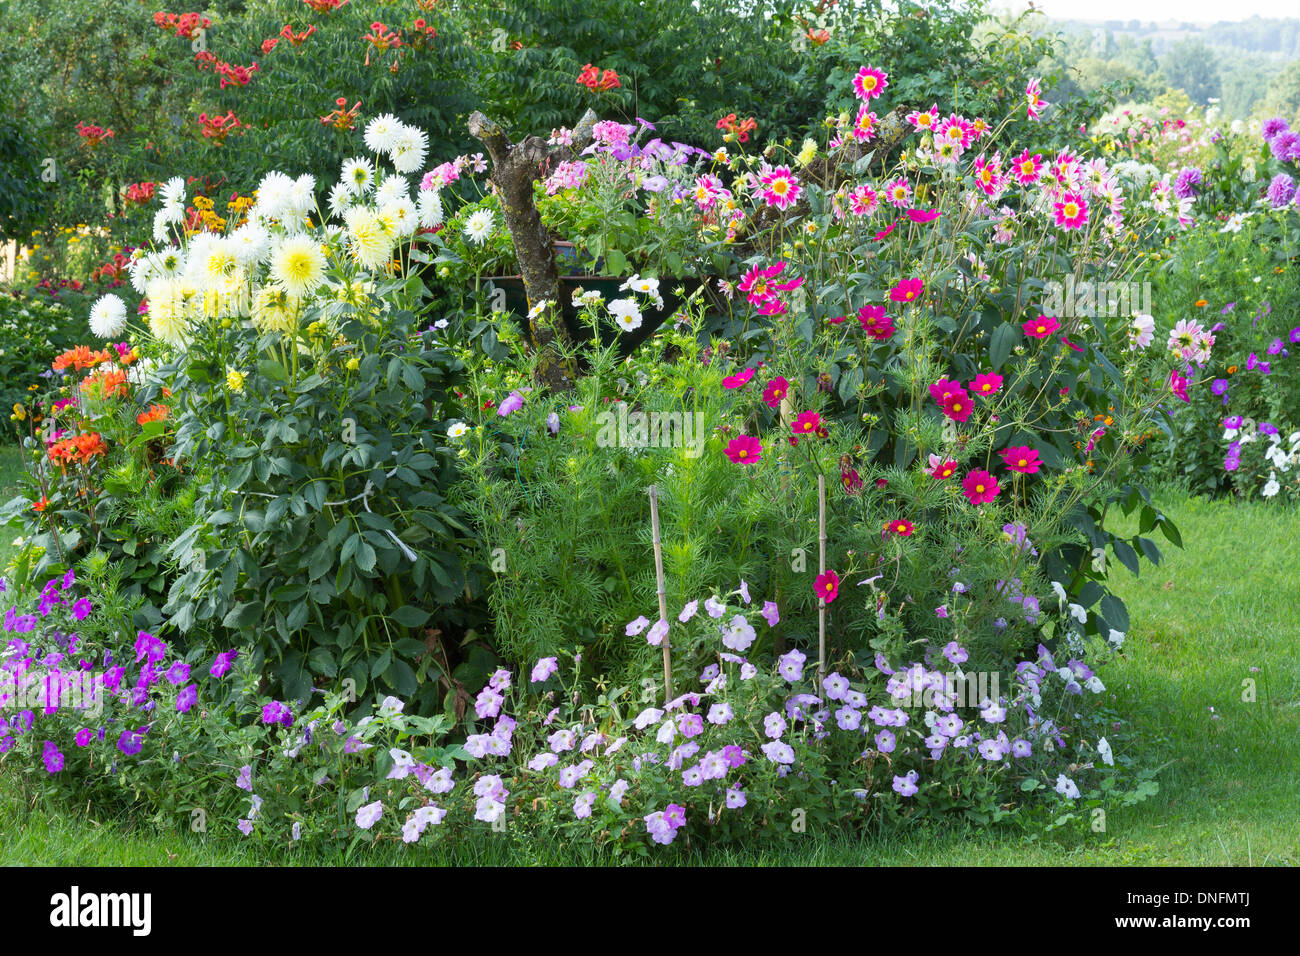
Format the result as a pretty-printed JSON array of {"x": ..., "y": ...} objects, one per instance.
[
  {"x": 1041, "y": 327},
  {"x": 907, "y": 290},
  {"x": 875, "y": 323},
  {"x": 806, "y": 423},
  {"x": 744, "y": 450},
  {"x": 1022, "y": 458},
  {"x": 870, "y": 83},
  {"x": 739, "y": 379},
  {"x": 980, "y": 487},
  {"x": 986, "y": 383},
  {"x": 827, "y": 586},
  {"x": 776, "y": 390}
]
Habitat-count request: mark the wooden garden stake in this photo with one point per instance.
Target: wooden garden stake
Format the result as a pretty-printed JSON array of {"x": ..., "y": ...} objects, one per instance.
[
  {"x": 663, "y": 591},
  {"x": 821, "y": 569}
]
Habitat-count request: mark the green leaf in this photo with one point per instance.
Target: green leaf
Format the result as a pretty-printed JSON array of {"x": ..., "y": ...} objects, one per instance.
[{"x": 1004, "y": 339}]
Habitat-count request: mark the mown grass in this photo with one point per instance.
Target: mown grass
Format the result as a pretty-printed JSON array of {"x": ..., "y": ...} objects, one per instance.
[{"x": 1206, "y": 622}]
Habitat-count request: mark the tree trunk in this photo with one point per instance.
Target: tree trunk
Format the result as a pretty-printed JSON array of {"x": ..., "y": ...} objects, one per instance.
[{"x": 515, "y": 167}]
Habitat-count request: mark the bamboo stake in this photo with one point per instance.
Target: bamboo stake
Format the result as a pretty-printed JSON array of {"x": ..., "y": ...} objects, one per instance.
[
  {"x": 821, "y": 565},
  {"x": 663, "y": 591}
]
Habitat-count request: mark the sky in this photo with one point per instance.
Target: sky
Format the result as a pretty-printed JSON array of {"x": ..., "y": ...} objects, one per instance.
[{"x": 1193, "y": 11}]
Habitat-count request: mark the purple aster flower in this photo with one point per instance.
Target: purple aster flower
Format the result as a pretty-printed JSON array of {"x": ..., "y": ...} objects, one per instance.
[
  {"x": 1274, "y": 126},
  {"x": 1281, "y": 190},
  {"x": 1186, "y": 182},
  {"x": 1283, "y": 145}
]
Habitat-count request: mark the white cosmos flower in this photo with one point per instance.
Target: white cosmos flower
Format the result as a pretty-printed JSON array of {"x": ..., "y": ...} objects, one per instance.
[
  {"x": 340, "y": 198},
  {"x": 358, "y": 175},
  {"x": 108, "y": 316},
  {"x": 429, "y": 207},
  {"x": 172, "y": 192},
  {"x": 391, "y": 189},
  {"x": 302, "y": 195},
  {"x": 251, "y": 244},
  {"x": 626, "y": 313},
  {"x": 410, "y": 146},
  {"x": 167, "y": 216},
  {"x": 479, "y": 226},
  {"x": 404, "y": 215},
  {"x": 273, "y": 194},
  {"x": 457, "y": 429},
  {"x": 381, "y": 133}
]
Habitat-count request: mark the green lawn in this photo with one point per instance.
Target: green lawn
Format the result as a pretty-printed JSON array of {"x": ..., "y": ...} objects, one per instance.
[{"x": 1213, "y": 616}]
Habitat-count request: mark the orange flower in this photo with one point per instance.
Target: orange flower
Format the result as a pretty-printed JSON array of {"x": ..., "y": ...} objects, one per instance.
[
  {"x": 106, "y": 384},
  {"x": 1201, "y": 303},
  {"x": 156, "y": 413},
  {"x": 41, "y": 505},
  {"x": 1232, "y": 370},
  {"x": 80, "y": 448},
  {"x": 80, "y": 358}
]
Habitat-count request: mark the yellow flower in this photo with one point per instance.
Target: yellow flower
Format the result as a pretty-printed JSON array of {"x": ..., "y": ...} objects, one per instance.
[
  {"x": 235, "y": 380},
  {"x": 354, "y": 363},
  {"x": 20, "y": 413}
]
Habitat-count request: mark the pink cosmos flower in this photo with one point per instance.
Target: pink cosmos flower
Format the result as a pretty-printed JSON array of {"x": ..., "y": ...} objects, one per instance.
[
  {"x": 875, "y": 323},
  {"x": 924, "y": 121},
  {"x": 1041, "y": 327},
  {"x": 899, "y": 526},
  {"x": 1034, "y": 101},
  {"x": 986, "y": 383},
  {"x": 1022, "y": 458},
  {"x": 923, "y": 215},
  {"x": 1071, "y": 211},
  {"x": 806, "y": 423},
  {"x": 899, "y": 193},
  {"x": 906, "y": 290},
  {"x": 744, "y": 450},
  {"x": 781, "y": 187},
  {"x": 739, "y": 379},
  {"x": 864, "y": 127},
  {"x": 940, "y": 468},
  {"x": 957, "y": 405},
  {"x": 1178, "y": 385},
  {"x": 776, "y": 390},
  {"x": 863, "y": 201},
  {"x": 870, "y": 83},
  {"x": 980, "y": 487}
]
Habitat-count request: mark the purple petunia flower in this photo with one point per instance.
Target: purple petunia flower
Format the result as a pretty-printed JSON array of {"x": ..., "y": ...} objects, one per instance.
[
  {"x": 187, "y": 698},
  {"x": 511, "y": 403},
  {"x": 221, "y": 666}
]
